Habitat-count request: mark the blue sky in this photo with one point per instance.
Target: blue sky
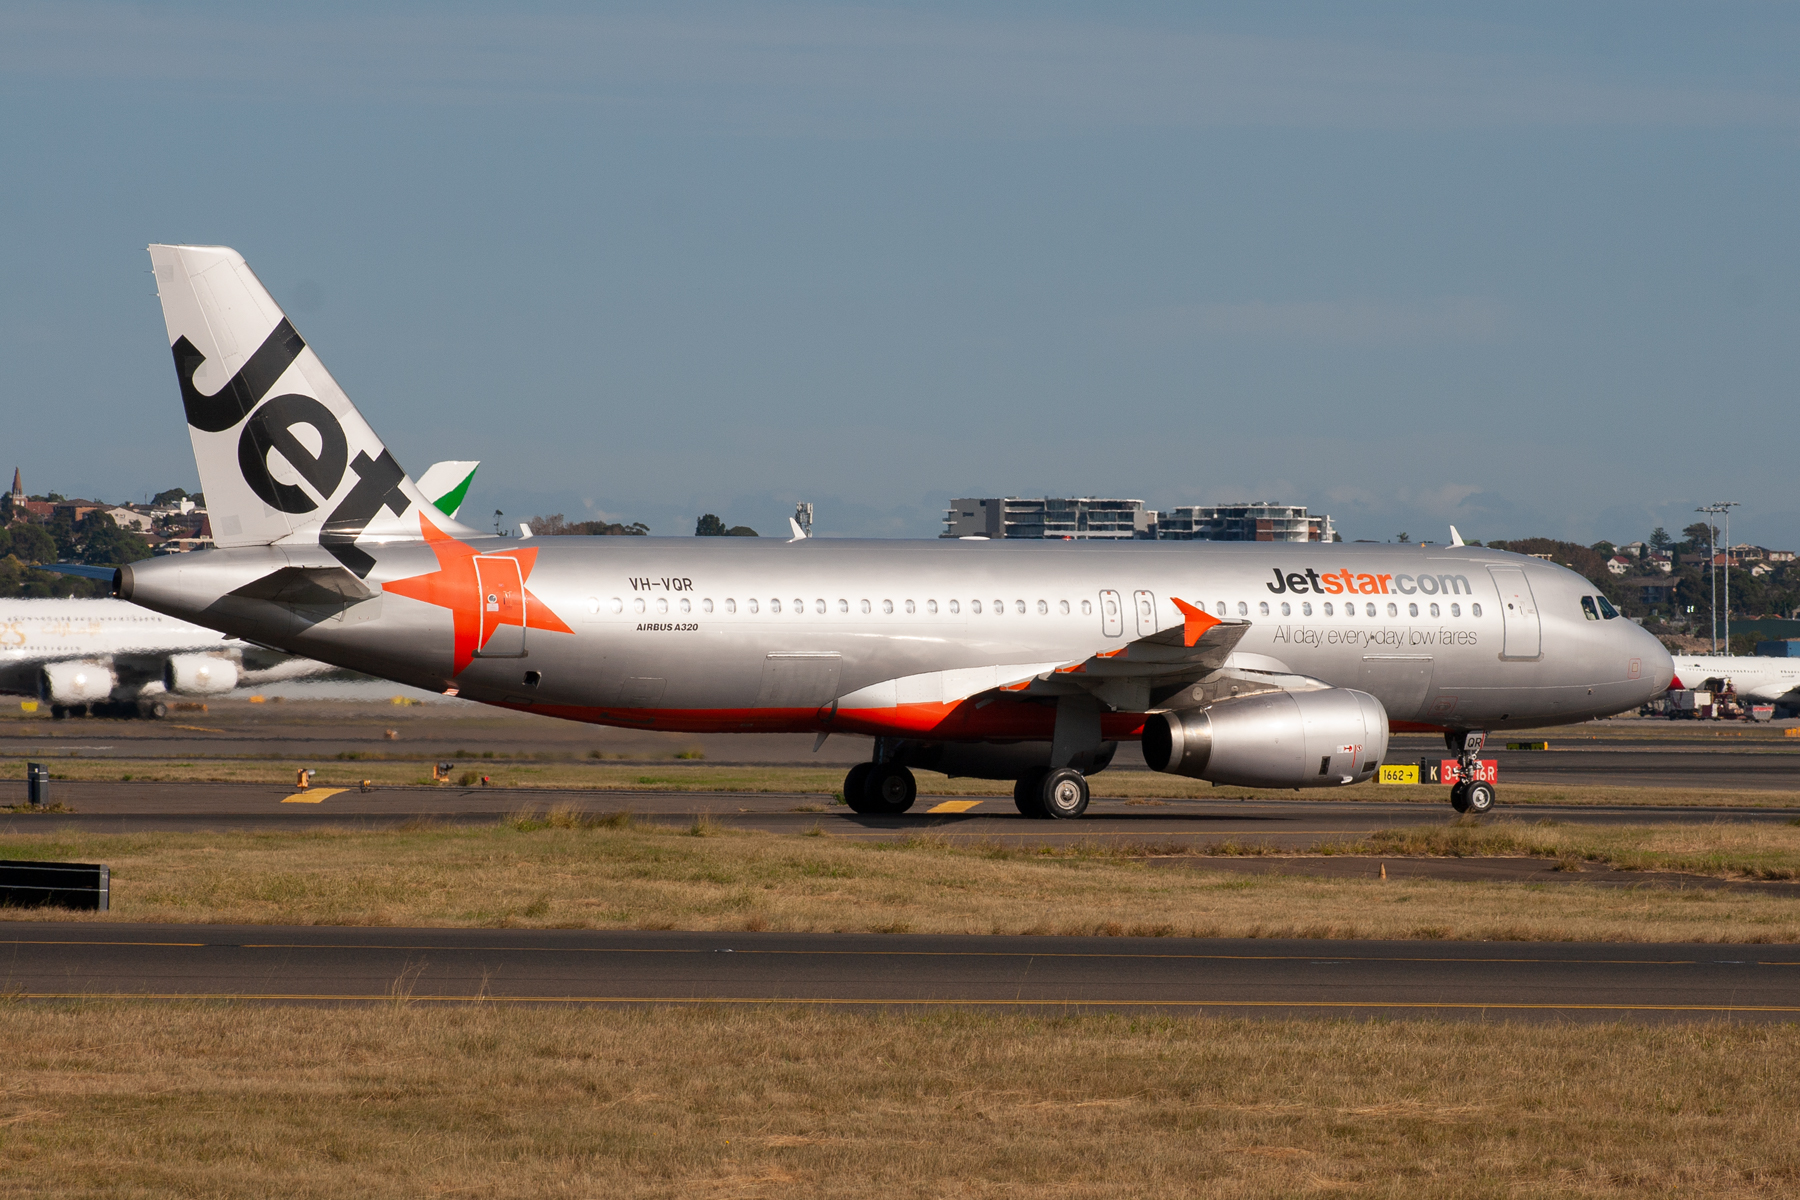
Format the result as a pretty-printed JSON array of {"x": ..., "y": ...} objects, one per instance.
[{"x": 1531, "y": 269}]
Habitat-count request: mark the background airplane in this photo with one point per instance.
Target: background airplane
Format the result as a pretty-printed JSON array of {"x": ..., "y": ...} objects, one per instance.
[
  {"x": 89, "y": 657},
  {"x": 1757, "y": 680}
]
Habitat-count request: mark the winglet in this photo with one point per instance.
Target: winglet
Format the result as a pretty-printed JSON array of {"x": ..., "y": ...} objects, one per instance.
[
  {"x": 1195, "y": 622},
  {"x": 1455, "y": 537}
]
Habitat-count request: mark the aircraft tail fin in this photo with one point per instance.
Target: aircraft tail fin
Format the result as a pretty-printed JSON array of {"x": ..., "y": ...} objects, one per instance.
[{"x": 283, "y": 454}]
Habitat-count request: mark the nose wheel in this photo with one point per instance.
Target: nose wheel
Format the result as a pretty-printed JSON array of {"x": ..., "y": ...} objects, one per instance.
[{"x": 1473, "y": 796}]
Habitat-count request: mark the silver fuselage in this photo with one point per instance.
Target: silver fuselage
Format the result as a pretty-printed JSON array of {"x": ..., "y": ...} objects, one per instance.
[{"x": 724, "y": 634}]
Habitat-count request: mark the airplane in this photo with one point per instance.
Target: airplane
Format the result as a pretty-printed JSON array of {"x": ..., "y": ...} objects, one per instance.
[
  {"x": 1757, "y": 680},
  {"x": 1273, "y": 665},
  {"x": 108, "y": 658}
]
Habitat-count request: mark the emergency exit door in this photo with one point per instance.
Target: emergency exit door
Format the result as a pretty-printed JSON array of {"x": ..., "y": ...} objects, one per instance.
[
  {"x": 1522, "y": 634},
  {"x": 502, "y": 604},
  {"x": 1112, "y": 618}
]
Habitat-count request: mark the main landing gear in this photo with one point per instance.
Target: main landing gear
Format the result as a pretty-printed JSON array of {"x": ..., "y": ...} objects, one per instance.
[
  {"x": 880, "y": 789},
  {"x": 1472, "y": 796},
  {"x": 1060, "y": 794}
]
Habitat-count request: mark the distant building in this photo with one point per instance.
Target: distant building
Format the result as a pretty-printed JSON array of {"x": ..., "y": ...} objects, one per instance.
[
  {"x": 1246, "y": 522},
  {"x": 131, "y": 518},
  {"x": 1634, "y": 549},
  {"x": 1618, "y": 564},
  {"x": 1659, "y": 593},
  {"x": 1094, "y": 518},
  {"x": 1081, "y": 518},
  {"x": 1781, "y": 648}
]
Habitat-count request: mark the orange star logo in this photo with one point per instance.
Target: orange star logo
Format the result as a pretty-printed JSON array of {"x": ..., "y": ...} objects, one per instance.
[{"x": 477, "y": 612}]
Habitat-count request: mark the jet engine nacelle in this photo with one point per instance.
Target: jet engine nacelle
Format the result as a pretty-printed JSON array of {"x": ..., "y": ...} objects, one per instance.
[
  {"x": 1322, "y": 738},
  {"x": 199, "y": 674},
  {"x": 75, "y": 682}
]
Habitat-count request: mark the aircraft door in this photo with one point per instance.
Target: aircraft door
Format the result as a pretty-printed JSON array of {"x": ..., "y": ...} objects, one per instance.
[
  {"x": 1146, "y": 613},
  {"x": 1112, "y": 618},
  {"x": 502, "y": 602},
  {"x": 1523, "y": 635}
]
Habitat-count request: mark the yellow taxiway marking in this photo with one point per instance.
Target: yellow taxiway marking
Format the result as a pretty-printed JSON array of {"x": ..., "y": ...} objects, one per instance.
[
  {"x": 953, "y": 806},
  {"x": 312, "y": 796}
]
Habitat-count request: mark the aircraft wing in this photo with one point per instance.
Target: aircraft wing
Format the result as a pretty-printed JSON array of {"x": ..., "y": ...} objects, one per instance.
[{"x": 1130, "y": 678}]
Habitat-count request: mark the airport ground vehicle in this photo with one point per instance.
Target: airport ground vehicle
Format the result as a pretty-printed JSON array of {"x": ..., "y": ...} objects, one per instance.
[{"x": 1266, "y": 665}]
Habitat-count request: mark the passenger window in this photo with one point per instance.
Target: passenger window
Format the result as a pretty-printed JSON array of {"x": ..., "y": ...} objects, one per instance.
[
  {"x": 1286, "y": 609},
  {"x": 865, "y": 607},
  {"x": 618, "y": 605},
  {"x": 799, "y": 607},
  {"x": 730, "y": 605},
  {"x": 887, "y": 606},
  {"x": 1219, "y": 608},
  {"x": 750, "y": 605},
  {"x": 637, "y": 605},
  {"x": 1606, "y": 608},
  {"x": 1412, "y": 610},
  {"x": 1043, "y": 608},
  {"x": 1020, "y": 605},
  {"x": 843, "y": 606},
  {"x": 1306, "y": 608},
  {"x": 774, "y": 606},
  {"x": 1456, "y": 610},
  {"x": 1328, "y": 608},
  {"x": 1434, "y": 610},
  {"x": 819, "y": 607},
  {"x": 1062, "y": 606},
  {"x": 1393, "y": 610},
  {"x": 999, "y": 608},
  {"x": 1588, "y": 610},
  {"x": 1474, "y": 609},
  {"x": 911, "y": 607},
  {"x": 955, "y": 607},
  {"x": 1263, "y": 608},
  {"x": 706, "y": 606},
  {"x": 1369, "y": 609},
  {"x": 931, "y": 608},
  {"x": 1087, "y": 608},
  {"x": 687, "y": 605},
  {"x": 975, "y": 607}
]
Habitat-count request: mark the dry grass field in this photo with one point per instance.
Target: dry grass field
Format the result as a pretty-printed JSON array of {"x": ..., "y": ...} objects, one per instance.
[
  {"x": 563, "y": 869},
  {"x": 561, "y": 773},
  {"x": 111, "y": 1099}
]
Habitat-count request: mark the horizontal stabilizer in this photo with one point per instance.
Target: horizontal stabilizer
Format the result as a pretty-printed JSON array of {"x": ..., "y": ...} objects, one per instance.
[
  {"x": 85, "y": 570},
  {"x": 318, "y": 587}
]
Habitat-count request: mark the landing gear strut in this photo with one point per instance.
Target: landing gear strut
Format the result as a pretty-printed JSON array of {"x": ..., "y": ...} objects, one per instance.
[
  {"x": 1061, "y": 794},
  {"x": 1471, "y": 795}
]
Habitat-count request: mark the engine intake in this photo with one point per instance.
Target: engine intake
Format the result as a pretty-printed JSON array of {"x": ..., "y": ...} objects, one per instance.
[
  {"x": 1324, "y": 738},
  {"x": 75, "y": 682},
  {"x": 200, "y": 674}
]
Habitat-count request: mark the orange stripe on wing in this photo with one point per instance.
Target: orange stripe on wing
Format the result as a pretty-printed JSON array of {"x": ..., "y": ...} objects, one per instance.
[{"x": 1194, "y": 621}]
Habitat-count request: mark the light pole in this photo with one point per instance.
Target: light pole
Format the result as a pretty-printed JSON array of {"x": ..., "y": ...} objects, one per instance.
[
  {"x": 1712, "y": 563},
  {"x": 1728, "y": 505}
]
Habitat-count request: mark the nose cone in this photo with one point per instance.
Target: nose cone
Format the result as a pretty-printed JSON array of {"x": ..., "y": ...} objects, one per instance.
[{"x": 1655, "y": 667}]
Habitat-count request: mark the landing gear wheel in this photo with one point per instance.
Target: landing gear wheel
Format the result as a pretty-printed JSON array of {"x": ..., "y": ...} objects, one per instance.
[
  {"x": 1064, "y": 794},
  {"x": 856, "y": 788},
  {"x": 154, "y": 710},
  {"x": 891, "y": 790},
  {"x": 58, "y": 713},
  {"x": 1478, "y": 798},
  {"x": 1028, "y": 794},
  {"x": 1459, "y": 797}
]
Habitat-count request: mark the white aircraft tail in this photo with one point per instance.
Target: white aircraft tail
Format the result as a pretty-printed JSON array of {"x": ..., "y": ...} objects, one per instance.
[{"x": 283, "y": 454}]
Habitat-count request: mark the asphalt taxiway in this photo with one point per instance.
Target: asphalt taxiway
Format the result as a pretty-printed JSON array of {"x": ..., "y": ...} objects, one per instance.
[
  {"x": 1296, "y": 823},
  {"x": 330, "y": 965}
]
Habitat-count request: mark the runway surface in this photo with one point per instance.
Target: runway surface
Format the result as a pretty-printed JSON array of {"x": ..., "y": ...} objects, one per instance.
[
  {"x": 326, "y": 965},
  {"x": 1295, "y": 823}
]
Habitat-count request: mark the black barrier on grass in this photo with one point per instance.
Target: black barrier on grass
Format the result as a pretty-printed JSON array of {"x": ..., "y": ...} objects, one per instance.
[{"x": 55, "y": 885}]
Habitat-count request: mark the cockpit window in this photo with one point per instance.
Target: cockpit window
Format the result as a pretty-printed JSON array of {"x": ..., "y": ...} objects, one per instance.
[
  {"x": 1587, "y": 607},
  {"x": 1606, "y": 609}
]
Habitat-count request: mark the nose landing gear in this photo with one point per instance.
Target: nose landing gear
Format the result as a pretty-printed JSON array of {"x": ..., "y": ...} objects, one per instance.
[{"x": 1473, "y": 795}]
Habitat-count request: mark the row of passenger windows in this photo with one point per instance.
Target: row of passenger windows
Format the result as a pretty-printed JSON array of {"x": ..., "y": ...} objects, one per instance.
[
  {"x": 798, "y": 606},
  {"x": 1369, "y": 610}
]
